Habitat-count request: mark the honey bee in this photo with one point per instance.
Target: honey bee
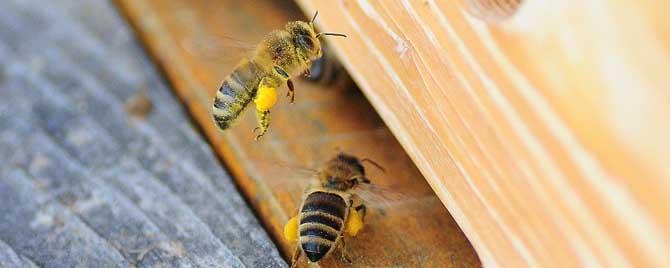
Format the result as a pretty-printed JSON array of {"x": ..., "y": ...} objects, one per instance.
[
  {"x": 281, "y": 55},
  {"x": 329, "y": 210}
]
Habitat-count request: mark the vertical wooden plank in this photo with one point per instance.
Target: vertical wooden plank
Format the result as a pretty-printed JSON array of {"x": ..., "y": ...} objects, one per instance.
[{"x": 541, "y": 125}]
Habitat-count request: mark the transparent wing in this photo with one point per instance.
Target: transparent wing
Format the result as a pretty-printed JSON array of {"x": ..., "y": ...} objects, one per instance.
[
  {"x": 376, "y": 196},
  {"x": 218, "y": 47},
  {"x": 285, "y": 178},
  {"x": 384, "y": 197}
]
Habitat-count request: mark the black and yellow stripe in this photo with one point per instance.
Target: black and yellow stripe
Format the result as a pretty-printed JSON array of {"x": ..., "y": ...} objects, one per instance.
[
  {"x": 235, "y": 93},
  {"x": 322, "y": 219}
]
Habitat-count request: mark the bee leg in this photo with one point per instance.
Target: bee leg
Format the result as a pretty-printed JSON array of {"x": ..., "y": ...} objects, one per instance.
[
  {"x": 308, "y": 72},
  {"x": 343, "y": 252},
  {"x": 266, "y": 97},
  {"x": 263, "y": 118},
  {"x": 291, "y": 90},
  {"x": 362, "y": 210},
  {"x": 296, "y": 256}
]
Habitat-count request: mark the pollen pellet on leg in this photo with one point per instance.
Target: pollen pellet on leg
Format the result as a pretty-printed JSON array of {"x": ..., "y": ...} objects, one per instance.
[
  {"x": 354, "y": 223},
  {"x": 291, "y": 229},
  {"x": 265, "y": 98}
]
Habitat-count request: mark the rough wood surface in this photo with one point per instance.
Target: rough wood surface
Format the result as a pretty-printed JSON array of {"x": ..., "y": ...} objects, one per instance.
[
  {"x": 418, "y": 233},
  {"x": 83, "y": 183},
  {"x": 545, "y": 133},
  {"x": 9, "y": 258}
]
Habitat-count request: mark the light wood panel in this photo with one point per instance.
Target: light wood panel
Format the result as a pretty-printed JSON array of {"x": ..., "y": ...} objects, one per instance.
[
  {"x": 544, "y": 130},
  {"x": 418, "y": 233}
]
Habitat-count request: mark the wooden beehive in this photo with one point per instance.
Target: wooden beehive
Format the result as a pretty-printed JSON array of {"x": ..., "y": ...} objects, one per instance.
[{"x": 542, "y": 125}]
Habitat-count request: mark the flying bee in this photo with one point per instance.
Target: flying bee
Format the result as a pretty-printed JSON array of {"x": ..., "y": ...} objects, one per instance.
[
  {"x": 329, "y": 210},
  {"x": 281, "y": 55}
]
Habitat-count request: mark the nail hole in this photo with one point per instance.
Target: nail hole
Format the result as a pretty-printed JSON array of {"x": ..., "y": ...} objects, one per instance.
[{"x": 493, "y": 10}]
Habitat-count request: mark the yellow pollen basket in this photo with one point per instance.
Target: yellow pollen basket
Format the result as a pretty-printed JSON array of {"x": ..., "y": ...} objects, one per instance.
[
  {"x": 291, "y": 229},
  {"x": 354, "y": 223},
  {"x": 266, "y": 97}
]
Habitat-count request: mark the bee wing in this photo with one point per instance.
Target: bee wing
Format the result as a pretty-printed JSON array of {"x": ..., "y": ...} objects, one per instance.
[
  {"x": 217, "y": 47},
  {"x": 283, "y": 177},
  {"x": 383, "y": 197}
]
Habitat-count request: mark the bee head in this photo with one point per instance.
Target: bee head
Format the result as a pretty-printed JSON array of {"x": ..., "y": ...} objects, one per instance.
[
  {"x": 352, "y": 162},
  {"x": 343, "y": 172},
  {"x": 306, "y": 39}
]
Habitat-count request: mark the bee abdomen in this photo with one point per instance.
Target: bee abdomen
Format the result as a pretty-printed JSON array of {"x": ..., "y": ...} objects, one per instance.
[
  {"x": 235, "y": 93},
  {"x": 328, "y": 203},
  {"x": 316, "y": 249},
  {"x": 317, "y": 218},
  {"x": 319, "y": 231},
  {"x": 321, "y": 222}
]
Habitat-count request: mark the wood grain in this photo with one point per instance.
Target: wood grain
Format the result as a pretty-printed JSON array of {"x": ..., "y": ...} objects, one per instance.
[
  {"x": 544, "y": 130},
  {"x": 416, "y": 233},
  {"x": 85, "y": 182}
]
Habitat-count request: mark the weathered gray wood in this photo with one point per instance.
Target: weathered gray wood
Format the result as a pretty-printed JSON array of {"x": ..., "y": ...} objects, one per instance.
[
  {"x": 131, "y": 232},
  {"x": 47, "y": 233},
  {"x": 9, "y": 258},
  {"x": 151, "y": 188}
]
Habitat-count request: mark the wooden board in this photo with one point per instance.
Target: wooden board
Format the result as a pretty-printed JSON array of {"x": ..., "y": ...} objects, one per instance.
[
  {"x": 419, "y": 233},
  {"x": 545, "y": 133},
  {"x": 87, "y": 180}
]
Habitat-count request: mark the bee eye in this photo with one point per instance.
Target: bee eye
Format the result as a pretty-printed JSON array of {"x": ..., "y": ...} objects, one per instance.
[{"x": 305, "y": 41}]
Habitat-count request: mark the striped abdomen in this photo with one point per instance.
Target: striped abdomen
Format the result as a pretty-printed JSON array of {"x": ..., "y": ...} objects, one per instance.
[
  {"x": 235, "y": 93},
  {"x": 322, "y": 219}
]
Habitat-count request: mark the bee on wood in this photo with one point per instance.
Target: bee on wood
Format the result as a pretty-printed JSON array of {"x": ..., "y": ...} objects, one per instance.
[
  {"x": 329, "y": 210},
  {"x": 281, "y": 55}
]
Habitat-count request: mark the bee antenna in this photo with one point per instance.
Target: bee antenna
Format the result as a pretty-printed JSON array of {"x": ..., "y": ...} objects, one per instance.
[
  {"x": 314, "y": 18},
  {"x": 333, "y": 34},
  {"x": 374, "y": 164}
]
